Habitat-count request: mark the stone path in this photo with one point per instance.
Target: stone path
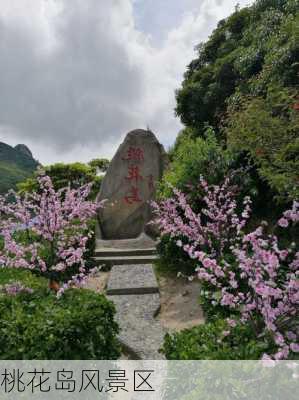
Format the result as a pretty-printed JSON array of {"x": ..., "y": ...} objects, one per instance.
[
  {"x": 133, "y": 288},
  {"x": 132, "y": 279}
]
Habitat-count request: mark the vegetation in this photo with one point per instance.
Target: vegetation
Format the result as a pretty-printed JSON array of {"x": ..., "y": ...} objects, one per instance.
[
  {"x": 47, "y": 234},
  {"x": 37, "y": 325},
  {"x": 48, "y": 231},
  {"x": 253, "y": 276},
  {"x": 239, "y": 104},
  {"x": 71, "y": 175},
  {"x": 244, "y": 83},
  {"x": 214, "y": 341},
  {"x": 267, "y": 129}
]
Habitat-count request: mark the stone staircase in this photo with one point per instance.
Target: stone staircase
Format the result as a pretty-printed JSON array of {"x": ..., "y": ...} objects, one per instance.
[
  {"x": 110, "y": 257},
  {"x": 133, "y": 288}
]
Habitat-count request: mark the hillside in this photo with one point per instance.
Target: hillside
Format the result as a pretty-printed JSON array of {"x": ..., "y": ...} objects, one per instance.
[{"x": 16, "y": 164}]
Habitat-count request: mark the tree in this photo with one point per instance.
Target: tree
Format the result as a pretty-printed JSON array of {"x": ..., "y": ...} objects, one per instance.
[
  {"x": 71, "y": 175},
  {"x": 250, "y": 274},
  {"x": 267, "y": 129},
  {"x": 47, "y": 231},
  {"x": 254, "y": 47},
  {"x": 100, "y": 164}
]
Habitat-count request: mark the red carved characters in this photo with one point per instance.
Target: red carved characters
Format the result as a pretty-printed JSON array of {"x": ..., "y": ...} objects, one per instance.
[
  {"x": 133, "y": 196},
  {"x": 136, "y": 155},
  {"x": 134, "y": 174}
]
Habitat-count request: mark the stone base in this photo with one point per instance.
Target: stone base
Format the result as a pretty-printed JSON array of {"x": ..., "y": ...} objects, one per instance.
[{"x": 141, "y": 242}]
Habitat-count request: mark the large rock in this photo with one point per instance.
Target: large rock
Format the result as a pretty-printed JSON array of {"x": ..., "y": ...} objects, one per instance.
[{"x": 129, "y": 184}]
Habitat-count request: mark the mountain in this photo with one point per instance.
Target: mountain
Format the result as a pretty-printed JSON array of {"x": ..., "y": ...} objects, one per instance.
[{"x": 16, "y": 164}]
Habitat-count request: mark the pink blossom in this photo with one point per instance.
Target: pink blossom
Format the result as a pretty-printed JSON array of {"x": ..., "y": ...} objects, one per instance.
[
  {"x": 283, "y": 222},
  {"x": 260, "y": 281},
  {"x": 231, "y": 322},
  {"x": 12, "y": 289},
  {"x": 294, "y": 347},
  {"x": 55, "y": 223}
]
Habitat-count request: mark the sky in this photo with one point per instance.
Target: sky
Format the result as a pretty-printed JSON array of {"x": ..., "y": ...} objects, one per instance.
[{"x": 77, "y": 75}]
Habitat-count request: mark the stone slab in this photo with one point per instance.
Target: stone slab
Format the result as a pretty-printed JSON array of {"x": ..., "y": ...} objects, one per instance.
[
  {"x": 124, "y": 252},
  {"x": 110, "y": 261},
  {"x": 143, "y": 241},
  {"x": 128, "y": 186},
  {"x": 132, "y": 279},
  {"x": 140, "y": 334}
]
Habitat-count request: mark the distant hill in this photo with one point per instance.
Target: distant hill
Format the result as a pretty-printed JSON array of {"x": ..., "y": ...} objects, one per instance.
[{"x": 16, "y": 164}]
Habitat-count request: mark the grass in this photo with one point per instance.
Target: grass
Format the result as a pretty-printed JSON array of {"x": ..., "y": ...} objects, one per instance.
[{"x": 27, "y": 278}]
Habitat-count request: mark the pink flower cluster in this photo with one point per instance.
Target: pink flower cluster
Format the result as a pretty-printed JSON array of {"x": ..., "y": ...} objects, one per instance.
[
  {"x": 48, "y": 230},
  {"x": 12, "y": 289},
  {"x": 248, "y": 273},
  {"x": 213, "y": 230}
]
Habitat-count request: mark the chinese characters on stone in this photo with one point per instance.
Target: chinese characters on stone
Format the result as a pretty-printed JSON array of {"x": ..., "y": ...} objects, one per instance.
[{"x": 135, "y": 158}]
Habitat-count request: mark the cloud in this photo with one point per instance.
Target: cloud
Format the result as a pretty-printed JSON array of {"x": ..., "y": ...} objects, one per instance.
[{"x": 76, "y": 75}]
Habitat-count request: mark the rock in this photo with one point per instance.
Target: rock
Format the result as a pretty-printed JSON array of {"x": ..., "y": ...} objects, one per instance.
[{"x": 129, "y": 185}]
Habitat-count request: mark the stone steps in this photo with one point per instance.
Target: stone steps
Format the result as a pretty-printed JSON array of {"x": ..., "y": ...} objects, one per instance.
[
  {"x": 132, "y": 279},
  {"x": 140, "y": 334},
  {"x": 134, "y": 290},
  {"x": 124, "y": 260},
  {"x": 116, "y": 252}
]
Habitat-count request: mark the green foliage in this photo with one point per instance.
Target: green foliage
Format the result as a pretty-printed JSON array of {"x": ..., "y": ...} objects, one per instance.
[
  {"x": 79, "y": 325},
  {"x": 173, "y": 259},
  {"x": 209, "y": 342},
  {"x": 11, "y": 275},
  {"x": 192, "y": 157},
  {"x": 268, "y": 130},
  {"x": 212, "y": 312},
  {"x": 64, "y": 175},
  {"x": 15, "y": 166},
  {"x": 101, "y": 164},
  {"x": 91, "y": 245},
  {"x": 250, "y": 49}
]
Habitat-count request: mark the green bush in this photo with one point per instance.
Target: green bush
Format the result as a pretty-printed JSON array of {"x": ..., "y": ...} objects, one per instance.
[
  {"x": 79, "y": 325},
  {"x": 209, "y": 342},
  {"x": 251, "y": 48},
  {"x": 173, "y": 259},
  {"x": 268, "y": 130},
  {"x": 74, "y": 175},
  {"x": 193, "y": 157}
]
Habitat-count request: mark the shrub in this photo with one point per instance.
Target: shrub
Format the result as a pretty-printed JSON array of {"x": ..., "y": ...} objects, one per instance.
[
  {"x": 38, "y": 325},
  {"x": 252, "y": 275},
  {"x": 27, "y": 278},
  {"x": 211, "y": 341},
  {"x": 173, "y": 259},
  {"x": 193, "y": 157},
  {"x": 268, "y": 131},
  {"x": 48, "y": 231},
  {"x": 254, "y": 47},
  {"x": 73, "y": 175}
]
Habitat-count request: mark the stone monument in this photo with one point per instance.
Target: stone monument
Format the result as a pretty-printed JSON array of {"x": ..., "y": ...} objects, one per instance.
[{"x": 129, "y": 185}]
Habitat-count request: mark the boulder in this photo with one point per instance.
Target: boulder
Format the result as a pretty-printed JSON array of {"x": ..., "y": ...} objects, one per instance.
[{"x": 129, "y": 185}]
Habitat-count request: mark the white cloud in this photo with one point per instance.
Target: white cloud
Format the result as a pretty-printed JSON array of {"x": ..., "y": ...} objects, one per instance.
[{"x": 77, "y": 75}]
